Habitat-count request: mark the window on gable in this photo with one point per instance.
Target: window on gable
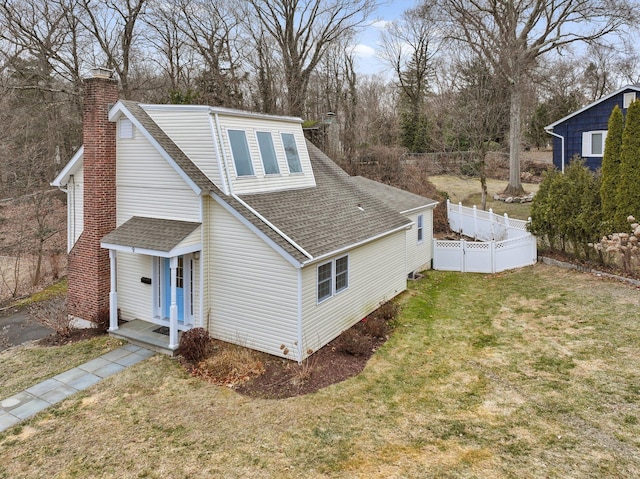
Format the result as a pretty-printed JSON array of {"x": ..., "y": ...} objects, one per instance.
[
  {"x": 593, "y": 143},
  {"x": 240, "y": 152},
  {"x": 420, "y": 228},
  {"x": 330, "y": 283},
  {"x": 268, "y": 153},
  {"x": 628, "y": 98},
  {"x": 126, "y": 129},
  {"x": 291, "y": 151}
]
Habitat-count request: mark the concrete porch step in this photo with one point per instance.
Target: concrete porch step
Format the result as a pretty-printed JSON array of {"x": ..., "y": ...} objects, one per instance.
[{"x": 141, "y": 333}]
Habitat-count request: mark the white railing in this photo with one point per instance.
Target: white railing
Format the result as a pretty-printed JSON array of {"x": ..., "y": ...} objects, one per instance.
[{"x": 505, "y": 243}]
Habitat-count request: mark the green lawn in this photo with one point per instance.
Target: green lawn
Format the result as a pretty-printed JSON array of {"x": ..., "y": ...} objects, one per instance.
[{"x": 524, "y": 374}]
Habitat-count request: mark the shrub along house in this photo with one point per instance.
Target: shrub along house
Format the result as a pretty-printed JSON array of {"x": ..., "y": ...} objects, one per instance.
[
  {"x": 192, "y": 216},
  {"x": 584, "y": 132}
]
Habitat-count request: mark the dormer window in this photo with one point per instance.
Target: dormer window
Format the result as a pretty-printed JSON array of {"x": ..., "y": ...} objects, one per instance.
[
  {"x": 240, "y": 152},
  {"x": 267, "y": 153},
  {"x": 291, "y": 151}
]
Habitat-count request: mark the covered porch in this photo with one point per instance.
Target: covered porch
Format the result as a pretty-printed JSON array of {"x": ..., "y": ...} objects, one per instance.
[{"x": 172, "y": 250}]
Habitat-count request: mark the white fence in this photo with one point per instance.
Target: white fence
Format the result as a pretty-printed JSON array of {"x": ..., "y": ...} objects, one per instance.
[{"x": 506, "y": 244}]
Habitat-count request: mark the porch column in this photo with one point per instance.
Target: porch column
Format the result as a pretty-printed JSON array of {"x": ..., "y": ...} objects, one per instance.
[
  {"x": 113, "y": 293},
  {"x": 173, "y": 309}
]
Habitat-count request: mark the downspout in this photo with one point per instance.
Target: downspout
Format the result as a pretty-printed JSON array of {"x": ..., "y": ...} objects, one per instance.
[
  {"x": 243, "y": 203},
  {"x": 300, "y": 335},
  {"x": 561, "y": 142}
]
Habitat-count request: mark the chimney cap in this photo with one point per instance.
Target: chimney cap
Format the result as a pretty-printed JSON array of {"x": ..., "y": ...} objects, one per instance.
[{"x": 102, "y": 72}]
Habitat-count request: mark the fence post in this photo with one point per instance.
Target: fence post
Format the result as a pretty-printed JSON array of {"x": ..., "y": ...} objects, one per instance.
[
  {"x": 492, "y": 255},
  {"x": 460, "y": 217},
  {"x": 463, "y": 265},
  {"x": 475, "y": 223},
  {"x": 491, "y": 220}
]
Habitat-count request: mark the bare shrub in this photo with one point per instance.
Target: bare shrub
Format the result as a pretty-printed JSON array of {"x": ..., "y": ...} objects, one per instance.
[
  {"x": 375, "y": 326},
  {"x": 387, "y": 311},
  {"x": 195, "y": 345},
  {"x": 102, "y": 320},
  {"x": 53, "y": 314},
  {"x": 353, "y": 342}
]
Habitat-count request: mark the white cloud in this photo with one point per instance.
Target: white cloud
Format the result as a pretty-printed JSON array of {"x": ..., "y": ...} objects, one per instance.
[
  {"x": 363, "y": 51},
  {"x": 381, "y": 24}
]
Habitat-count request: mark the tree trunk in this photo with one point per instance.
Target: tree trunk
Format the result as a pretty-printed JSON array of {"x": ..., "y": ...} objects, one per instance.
[{"x": 514, "y": 188}]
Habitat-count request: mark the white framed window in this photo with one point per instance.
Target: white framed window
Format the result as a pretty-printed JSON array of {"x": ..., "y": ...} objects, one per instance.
[
  {"x": 240, "y": 152},
  {"x": 593, "y": 143},
  {"x": 420, "y": 228},
  {"x": 628, "y": 98},
  {"x": 267, "y": 153},
  {"x": 333, "y": 277},
  {"x": 126, "y": 129},
  {"x": 291, "y": 152}
]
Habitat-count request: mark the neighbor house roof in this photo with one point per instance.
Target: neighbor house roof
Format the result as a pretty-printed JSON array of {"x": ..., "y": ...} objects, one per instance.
[
  {"x": 306, "y": 223},
  {"x": 590, "y": 105},
  {"x": 400, "y": 200}
]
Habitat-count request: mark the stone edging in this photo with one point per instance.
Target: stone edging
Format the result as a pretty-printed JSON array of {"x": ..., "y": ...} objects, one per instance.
[{"x": 586, "y": 269}]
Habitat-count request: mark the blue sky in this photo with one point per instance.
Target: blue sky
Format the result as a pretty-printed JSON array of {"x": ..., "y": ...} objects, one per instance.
[{"x": 367, "y": 42}]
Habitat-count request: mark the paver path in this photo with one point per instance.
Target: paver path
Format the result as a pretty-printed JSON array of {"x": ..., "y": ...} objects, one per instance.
[{"x": 53, "y": 390}]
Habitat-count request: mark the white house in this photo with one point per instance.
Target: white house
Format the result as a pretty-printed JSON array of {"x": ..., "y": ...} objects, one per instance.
[{"x": 194, "y": 216}]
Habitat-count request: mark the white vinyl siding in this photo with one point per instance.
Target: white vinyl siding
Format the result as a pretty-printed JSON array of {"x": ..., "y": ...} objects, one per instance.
[
  {"x": 240, "y": 152},
  {"x": 75, "y": 207},
  {"x": 291, "y": 152},
  {"x": 420, "y": 253},
  {"x": 376, "y": 274},
  {"x": 191, "y": 129},
  {"x": 261, "y": 181},
  {"x": 148, "y": 186},
  {"x": 125, "y": 129},
  {"x": 593, "y": 143},
  {"x": 135, "y": 299},
  {"x": 253, "y": 290}
]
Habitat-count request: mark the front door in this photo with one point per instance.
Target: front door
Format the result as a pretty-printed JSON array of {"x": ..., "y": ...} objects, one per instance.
[{"x": 179, "y": 287}]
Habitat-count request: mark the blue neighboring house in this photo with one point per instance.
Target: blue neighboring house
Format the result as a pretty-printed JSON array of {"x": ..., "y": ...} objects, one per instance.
[{"x": 584, "y": 132}]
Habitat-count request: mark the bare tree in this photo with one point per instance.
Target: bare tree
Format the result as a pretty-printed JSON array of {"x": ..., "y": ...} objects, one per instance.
[
  {"x": 303, "y": 30},
  {"x": 410, "y": 47},
  {"x": 511, "y": 35},
  {"x": 113, "y": 26}
]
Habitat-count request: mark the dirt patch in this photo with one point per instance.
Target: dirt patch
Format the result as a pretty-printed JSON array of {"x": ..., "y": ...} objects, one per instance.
[{"x": 75, "y": 336}]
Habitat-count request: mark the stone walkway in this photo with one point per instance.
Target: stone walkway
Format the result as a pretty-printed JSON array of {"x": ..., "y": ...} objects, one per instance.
[{"x": 31, "y": 401}]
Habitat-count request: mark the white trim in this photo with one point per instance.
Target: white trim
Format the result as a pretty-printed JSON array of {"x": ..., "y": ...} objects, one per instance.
[
  {"x": 300, "y": 335},
  {"x": 224, "y": 155},
  {"x": 334, "y": 278},
  {"x": 222, "y": 111},
  {"x": 430, "y": 206},
  {"x": 294, "y": 262},
  {"x": 587, "y": 143},
  {"x": 223, "y": 176},
  {"x": 150, "y": 252},
  {"x": 610, "y": 95},
  {"x": 69, "y": 167},
  {"x": 120, "y": 108},
  {"x": 557, "y": 135},
  {"x": 628, "y": 98},
  {"x": 420, "y": 229}
]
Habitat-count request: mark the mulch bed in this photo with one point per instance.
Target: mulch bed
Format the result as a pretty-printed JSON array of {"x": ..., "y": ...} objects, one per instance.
[
  {"x": 283, "y": 378},
  {"x": 76, "y": 335}
]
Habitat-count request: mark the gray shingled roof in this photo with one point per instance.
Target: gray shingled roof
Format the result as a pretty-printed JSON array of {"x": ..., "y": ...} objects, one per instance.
[
  {"x": 320, "y": 220},
  {"x": 333, "y": 215},
  {"x": 150, "y": 233},
  {"x": 400, "y": 200}
]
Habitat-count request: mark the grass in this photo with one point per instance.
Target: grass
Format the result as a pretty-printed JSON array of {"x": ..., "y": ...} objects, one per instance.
[
  {"x": 523, "y": 374},
  {"x": 59, "y": 288},
  {"x": 468, "y": 191}
]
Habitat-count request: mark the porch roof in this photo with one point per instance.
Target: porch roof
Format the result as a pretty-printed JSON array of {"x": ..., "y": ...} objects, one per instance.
[{"x": 157, "y": 236}]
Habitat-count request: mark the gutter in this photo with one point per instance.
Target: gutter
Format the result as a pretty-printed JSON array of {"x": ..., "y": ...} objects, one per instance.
[{"x": 562, "y": 143}]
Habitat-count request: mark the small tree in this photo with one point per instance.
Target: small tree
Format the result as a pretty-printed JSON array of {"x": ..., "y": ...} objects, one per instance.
[
  {"x": 611, "y": 167},
  {"x": 628, "y": 194}
]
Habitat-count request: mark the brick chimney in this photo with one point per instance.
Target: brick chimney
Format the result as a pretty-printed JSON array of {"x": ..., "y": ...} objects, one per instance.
[{"x": 89, "y": 277}]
